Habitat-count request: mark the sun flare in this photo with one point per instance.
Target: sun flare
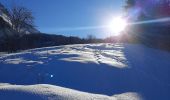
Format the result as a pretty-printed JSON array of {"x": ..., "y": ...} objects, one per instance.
[{"x": 117, "y": 25}]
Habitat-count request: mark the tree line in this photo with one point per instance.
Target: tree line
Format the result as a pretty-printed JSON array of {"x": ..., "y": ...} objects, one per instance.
[{"x": 30, "y": 41}]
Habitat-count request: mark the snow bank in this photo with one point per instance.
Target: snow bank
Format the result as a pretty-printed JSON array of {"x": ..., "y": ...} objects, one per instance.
[{"x": 50, "y": 92}]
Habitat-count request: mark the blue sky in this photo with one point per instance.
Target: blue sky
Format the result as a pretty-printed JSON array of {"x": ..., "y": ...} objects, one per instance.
[{"x": 72, "y": 17}]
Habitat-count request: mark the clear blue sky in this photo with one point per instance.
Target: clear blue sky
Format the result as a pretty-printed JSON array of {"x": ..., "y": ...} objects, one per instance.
[{"x": 72, "y": 17}]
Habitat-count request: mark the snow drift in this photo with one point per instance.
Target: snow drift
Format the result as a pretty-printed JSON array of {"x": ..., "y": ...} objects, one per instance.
[{"x": 49, "y": 92}]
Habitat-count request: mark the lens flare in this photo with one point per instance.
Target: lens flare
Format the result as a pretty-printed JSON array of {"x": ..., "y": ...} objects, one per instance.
[
  {"x": 117, "y": 25},
  {"x": 160, "y": 20}
]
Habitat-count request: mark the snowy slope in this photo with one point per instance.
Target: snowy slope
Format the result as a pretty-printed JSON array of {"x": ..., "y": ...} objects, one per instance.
[
  {"x": 49, "y": 92},
  {"x": 107, "y": 69}
]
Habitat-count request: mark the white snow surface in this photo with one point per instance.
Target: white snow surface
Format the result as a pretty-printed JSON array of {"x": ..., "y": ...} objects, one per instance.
[
  {"x": 50, "y": 92},
  {"x": 115, "y": 71}
]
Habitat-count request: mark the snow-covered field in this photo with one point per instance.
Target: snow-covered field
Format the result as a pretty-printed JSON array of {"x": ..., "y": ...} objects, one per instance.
[{"x": 116, "y": 71}]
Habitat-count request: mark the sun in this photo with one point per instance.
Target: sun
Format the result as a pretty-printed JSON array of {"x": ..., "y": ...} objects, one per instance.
[{"x": 117, "y": 25}]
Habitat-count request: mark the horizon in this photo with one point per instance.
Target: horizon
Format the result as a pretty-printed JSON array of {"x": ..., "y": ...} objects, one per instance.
[{"x": 72, "y": 18}]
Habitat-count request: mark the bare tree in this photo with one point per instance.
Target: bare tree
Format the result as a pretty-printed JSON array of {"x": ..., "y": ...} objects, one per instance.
[{"x": 21, "y": 18}]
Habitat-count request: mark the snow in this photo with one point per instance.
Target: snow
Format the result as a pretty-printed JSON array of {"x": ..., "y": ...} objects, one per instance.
[
  {"x": 20, "y": 60},
  {"x": 49, "y": 92},
  {"x": 115, "y": 71}
]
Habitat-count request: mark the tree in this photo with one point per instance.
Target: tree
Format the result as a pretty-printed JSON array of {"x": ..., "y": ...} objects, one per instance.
[
  {"x": 129, "y": 4},
  {"x": 21, "y": 18}
]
